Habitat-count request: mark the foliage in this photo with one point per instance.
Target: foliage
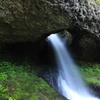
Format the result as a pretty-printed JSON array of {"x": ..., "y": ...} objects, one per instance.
[
  {"x": 19, "y": 82},
  {"x": 91, "y": 73},
  {"x": 97, "y": 1}
]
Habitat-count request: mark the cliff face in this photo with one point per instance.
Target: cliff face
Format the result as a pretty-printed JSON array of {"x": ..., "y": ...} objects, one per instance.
[
  {"x": 22, "y": 21},
  {"x": 29, "y": 20},
  {"x": 84, "y": 14}
]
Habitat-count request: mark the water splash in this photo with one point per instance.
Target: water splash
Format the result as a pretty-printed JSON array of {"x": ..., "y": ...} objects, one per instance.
[{"x": 69, "y": 80}]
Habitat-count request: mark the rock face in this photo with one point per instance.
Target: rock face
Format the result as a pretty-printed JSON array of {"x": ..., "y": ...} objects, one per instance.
[
  {"x": 28, "y": 20},
  {"x": 96, "y": 89},
  {"x": 84, "y": 14},
  {"x": 22, "y": 21}
]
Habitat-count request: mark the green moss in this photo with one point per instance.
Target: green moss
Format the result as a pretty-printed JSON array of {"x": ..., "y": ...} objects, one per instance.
[
  {"x": 19, "y": 82},
  {"x": 97, "y": 1},
  {"x": 91, "y": 73}
]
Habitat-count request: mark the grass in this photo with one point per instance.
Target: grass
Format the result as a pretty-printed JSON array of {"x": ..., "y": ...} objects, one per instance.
[
  {"x": 19, "y": 82},
  {"x": 90, "y": 73}
]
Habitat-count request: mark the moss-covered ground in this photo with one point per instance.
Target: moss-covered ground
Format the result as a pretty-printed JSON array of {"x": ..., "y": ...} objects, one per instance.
[
  {"x": 90, "y": 72},
  {"x": 18, "y": 82}
]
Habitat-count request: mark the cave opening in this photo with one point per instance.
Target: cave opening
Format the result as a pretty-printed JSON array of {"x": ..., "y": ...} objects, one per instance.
[{"x": 25, "y": 52}]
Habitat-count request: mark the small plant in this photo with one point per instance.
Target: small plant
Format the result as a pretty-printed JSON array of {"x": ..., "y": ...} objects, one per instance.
[{"x": 3, "y": 92}]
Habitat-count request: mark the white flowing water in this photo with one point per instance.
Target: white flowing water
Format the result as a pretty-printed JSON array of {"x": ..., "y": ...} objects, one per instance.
[{"x": 69, "y": 80}]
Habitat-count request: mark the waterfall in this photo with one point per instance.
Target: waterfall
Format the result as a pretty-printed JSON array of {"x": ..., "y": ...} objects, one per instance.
[{"x": 69, "y": 81}]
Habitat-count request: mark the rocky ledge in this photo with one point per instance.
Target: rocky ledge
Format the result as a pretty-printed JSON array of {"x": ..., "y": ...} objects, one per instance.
[{"x": 22, "y": 21}]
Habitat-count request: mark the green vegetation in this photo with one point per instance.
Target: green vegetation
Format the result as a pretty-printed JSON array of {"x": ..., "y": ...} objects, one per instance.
[
  {"x": 97, "y": 1},
  {"x": 19, "y": 82},
  {"x": 90, "y": 73}
]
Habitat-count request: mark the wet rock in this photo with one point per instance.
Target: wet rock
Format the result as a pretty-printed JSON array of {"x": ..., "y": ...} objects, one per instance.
[{"x": 96, "y": 89}]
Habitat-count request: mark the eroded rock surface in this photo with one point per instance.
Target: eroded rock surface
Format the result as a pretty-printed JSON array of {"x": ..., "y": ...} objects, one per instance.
[
  {"x": 22, "y": 21},
  {"x": 84, "y": 14},
  {"x": 29, "y": 20}
]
